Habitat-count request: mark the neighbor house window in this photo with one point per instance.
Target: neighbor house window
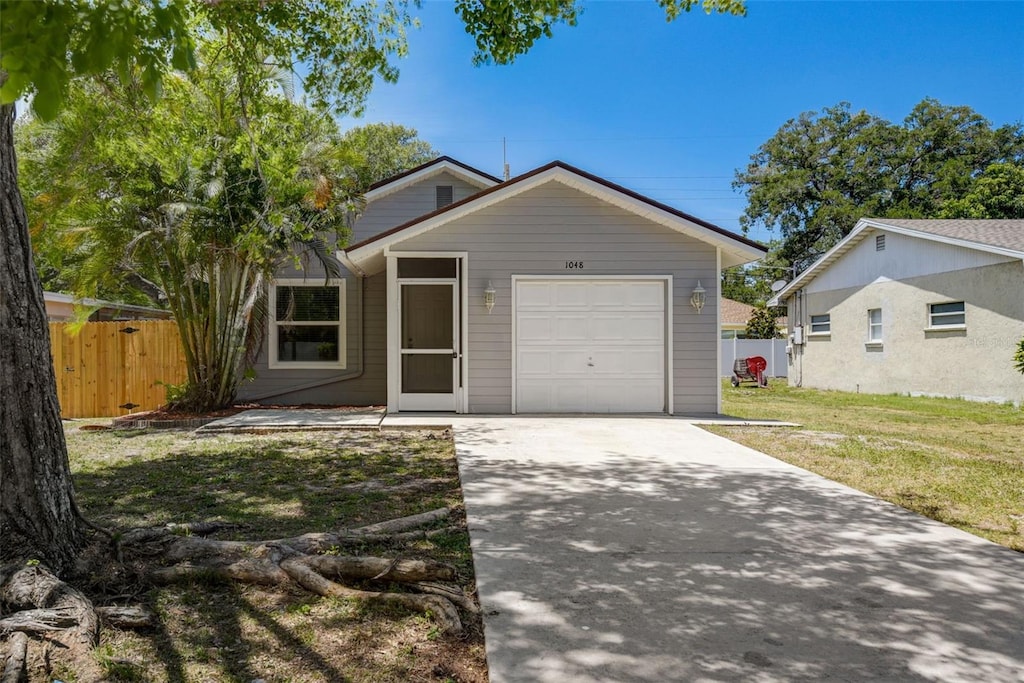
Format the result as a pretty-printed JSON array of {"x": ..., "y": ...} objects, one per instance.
[
  {"x": 875, "y": 325},
  {"x": 821, "y": 324},
  {"x": 443, "y": 195},
  {"x": 307, "y": 324},
  {"x": 952, "y": 314}
]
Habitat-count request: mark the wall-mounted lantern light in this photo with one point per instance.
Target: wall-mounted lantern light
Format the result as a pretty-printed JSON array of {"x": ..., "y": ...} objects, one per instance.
[
  {"x": 698, "y": 298},
  {"x": 489, "y": 296}
]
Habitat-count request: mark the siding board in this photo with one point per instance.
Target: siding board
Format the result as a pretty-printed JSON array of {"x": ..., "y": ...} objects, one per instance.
[{"x": 406, "y": 204}]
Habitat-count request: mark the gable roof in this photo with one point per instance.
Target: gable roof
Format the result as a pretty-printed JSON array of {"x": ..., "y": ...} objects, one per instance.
[
  {"x": 433, "y": 167},
  {"x": 997, "y": 236},
  {"x": 1003, "y": 233},
  {"x": 736, "y": 249}
]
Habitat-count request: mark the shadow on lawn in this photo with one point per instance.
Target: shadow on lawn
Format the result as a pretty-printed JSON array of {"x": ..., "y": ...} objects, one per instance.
[
  {"x": 642, "y": 566},
  {"x": 272, "y": 488},
  {"x": 277, "y": 487}
]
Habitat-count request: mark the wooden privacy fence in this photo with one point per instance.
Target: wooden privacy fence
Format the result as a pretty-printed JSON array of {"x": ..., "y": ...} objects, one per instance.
[{"x": 115, "y": 368}]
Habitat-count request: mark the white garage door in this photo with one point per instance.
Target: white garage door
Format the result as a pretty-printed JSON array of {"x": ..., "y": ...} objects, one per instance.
[{"x": 590, "y": 346}]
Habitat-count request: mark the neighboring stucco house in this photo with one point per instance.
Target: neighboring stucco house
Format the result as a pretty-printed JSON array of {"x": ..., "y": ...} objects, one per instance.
[
  {"x": 554, "y": 292},
  {"x": 931, "y": 307}
]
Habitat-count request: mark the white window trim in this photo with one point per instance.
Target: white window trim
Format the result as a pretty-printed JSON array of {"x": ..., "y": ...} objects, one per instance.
[
  {"x": 936, "y": 327},
  {"x": 810, "y": 326},
  {"x": 272, "y": 362},
  {"x": 871, "y": 326},
  {"x": 394, "y": 337}
]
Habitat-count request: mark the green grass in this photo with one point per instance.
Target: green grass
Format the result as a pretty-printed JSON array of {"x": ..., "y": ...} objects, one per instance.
[
  {"x": 959, "y": 462},
  {"x": 274, "y": 486}
]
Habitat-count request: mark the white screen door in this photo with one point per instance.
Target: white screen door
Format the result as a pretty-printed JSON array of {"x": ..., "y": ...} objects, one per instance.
[{"x": 429, "y": 331}]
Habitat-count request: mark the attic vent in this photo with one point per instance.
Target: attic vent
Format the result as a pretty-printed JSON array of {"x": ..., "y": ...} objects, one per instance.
[
  {"x": 444, "y": 195},
  {"x": 879, "y": 242}
]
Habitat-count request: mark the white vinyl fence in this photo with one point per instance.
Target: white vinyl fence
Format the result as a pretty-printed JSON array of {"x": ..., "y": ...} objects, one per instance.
[{"x": 772, "y": 350}]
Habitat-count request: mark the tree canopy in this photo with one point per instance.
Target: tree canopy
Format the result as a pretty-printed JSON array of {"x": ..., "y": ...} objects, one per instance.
[
  {"x": 997, "y": 193},
  {"x": 822, "y": 171},
  {"x": 380, "y": 150},
  {"x": 763, "y": 324}
]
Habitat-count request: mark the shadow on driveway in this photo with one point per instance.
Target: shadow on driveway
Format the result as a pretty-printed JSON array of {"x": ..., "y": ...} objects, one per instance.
[{"x": 652, "y": 550}]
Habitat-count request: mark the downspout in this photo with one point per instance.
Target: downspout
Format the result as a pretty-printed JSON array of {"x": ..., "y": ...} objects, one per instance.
[
  {"x": 356, "y": 372},
  {"x": 799, "y": 351}
]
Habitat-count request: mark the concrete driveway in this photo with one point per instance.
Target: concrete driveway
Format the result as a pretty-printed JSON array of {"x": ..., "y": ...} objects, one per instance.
[{"x": 646, "y": 549}]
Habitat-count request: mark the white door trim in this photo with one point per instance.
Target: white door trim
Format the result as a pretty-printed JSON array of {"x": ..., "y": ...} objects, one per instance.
[
  {"x": 393, "y": 305},
  {"x": 667, "y": 279}
]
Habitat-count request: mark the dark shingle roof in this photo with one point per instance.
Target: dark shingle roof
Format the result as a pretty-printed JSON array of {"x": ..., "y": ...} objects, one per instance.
[{"x": 1004, "y": 233}]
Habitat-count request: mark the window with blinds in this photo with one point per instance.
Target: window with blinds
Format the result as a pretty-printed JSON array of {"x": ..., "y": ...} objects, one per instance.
[{"x": 307, "y": 324}]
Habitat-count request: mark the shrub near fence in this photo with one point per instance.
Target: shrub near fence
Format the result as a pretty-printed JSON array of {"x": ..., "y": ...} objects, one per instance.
[{"x": 109, "y": 369}]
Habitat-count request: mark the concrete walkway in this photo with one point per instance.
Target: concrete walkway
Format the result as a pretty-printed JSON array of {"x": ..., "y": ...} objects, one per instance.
[
  {"x": 294, "y": 419},
  {"x": 650, "y": 550}
]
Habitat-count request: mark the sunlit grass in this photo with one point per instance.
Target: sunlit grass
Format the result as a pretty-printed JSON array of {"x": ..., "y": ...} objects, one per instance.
[{"x": 959, "y": 462}]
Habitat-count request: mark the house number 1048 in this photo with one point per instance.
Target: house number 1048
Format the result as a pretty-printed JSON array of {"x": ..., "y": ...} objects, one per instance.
[{"x": 573, "y": 265}]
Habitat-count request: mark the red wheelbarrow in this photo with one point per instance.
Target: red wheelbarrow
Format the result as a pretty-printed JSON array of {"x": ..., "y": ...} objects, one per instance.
[{"x": 749, "y": 370}]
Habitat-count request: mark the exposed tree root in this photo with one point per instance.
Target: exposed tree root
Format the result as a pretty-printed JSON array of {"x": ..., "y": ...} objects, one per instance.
[
  {"x": 47, "y": 605},
  {"x": 453, "y": 593},
  {"x": 35, "y": 589},
  {"x": 44, "y": 605},
  {"x": 441, "y": 609},
  {"x": 130, "y": 618},
  {"x": 14, "y": 670}
]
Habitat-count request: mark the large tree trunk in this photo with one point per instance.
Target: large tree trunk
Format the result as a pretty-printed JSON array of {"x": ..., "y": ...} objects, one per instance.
[{"x": 38, "y": 516}]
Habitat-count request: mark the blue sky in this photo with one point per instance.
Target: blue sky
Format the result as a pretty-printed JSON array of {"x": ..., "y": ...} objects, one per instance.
[{"x": 672, "y": 109}]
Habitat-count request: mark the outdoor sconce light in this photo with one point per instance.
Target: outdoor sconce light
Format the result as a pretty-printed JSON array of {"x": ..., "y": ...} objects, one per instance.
[
  {"x": 489, "y": 296},
  {"x": 698, "y": 297}
]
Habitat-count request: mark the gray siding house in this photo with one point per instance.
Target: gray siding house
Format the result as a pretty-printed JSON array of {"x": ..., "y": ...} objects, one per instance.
[
  {"x": 923, "y": 307},
  {"x": 553, "y": 292}
]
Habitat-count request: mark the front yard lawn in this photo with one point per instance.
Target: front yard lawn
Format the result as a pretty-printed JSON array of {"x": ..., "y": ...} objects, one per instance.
[
  {"x": 956, "y": 461},
  {"x": 275, "y": 486}
]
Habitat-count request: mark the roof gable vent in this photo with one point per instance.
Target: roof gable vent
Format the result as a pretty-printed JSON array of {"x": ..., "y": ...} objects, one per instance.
[
  {"x": 443, "y": 195},
  {"x": 879, "y": 242}
]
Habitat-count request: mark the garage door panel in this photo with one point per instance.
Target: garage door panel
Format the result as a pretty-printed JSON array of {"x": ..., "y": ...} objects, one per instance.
[
  {"x": 534, "y": 328},
  {"x": 606, "y": 327},
  {"x": 569, "y": 363},
  {"x": 569, "y": 398},
  {"x": 633, "y": 396},
  {"x": 628, "y": 361},
  {"x": 647, "y": 295},
  {"x": 531, "y": 295},
  {"x": 610, "y": 295},
  {"x": 601, "y": 350},
  {"x": 648, "y": 328},
  {"x": 571, "y": 327},
  {"x": 536, "y": 394},
  {"x": 533, "y": 362},
  {"x": 554, "y": 363},
  {"x": 570, "y": 295}
]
